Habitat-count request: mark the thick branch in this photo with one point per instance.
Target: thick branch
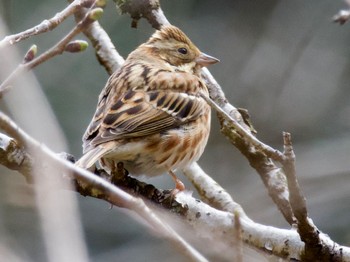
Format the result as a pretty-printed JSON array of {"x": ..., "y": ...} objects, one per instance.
[
  {"x": 14, "y": 157},
  {"x": 210, "y": 191},
  {"x": 213, "y": 224},
  {"x": 86, "y": 180},
  {"x": 138, "y": 9},
  {"x": 208, "y": 222}
]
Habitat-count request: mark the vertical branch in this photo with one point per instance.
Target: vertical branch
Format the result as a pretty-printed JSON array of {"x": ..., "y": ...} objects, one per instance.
[
  {"x": 296, "y": 198},
  {"x": 238, "y": 238},
  {"x": 309, "y": 234}
]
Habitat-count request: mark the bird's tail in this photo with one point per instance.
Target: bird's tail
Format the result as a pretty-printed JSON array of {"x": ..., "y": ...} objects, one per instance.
[{"x": 91, "y": 157}]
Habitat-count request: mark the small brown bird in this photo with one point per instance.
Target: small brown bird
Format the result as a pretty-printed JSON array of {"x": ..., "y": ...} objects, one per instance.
[{"x": 150, "y": 114}]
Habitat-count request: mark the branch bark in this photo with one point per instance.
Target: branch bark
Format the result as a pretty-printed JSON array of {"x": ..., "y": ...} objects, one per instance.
[{"x": 208, "y": 222}]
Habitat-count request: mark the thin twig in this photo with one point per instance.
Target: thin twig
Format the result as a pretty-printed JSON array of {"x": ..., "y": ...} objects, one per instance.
[
  {"x": 105, "y": 50},
  {"x": 252, "y": 140},
  {"x": 296, "y": 198},
  {"x": 46, "y": 25},
  {"x": 57, "y": 49},
  {"x": 238, "y": 238},
  {"x": 307, "y": 230}
]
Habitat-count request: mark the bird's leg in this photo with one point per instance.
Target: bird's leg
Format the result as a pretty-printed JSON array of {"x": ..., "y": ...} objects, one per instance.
[
  {"x": 179, "y": 186},
  {"x": 118, "y": 172}
]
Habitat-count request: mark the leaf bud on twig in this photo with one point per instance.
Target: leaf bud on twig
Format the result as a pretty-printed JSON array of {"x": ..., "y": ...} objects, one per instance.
[
  {"x": 30, "y": 55},
  {"x": 76, "y": 46}
]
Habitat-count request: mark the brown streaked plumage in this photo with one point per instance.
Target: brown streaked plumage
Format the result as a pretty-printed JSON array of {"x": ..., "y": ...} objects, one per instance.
[{"x": 150, "y": 115}]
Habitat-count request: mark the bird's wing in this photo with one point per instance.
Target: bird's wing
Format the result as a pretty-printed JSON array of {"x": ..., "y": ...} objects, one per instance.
[
  {"x": 141, "y": 112},
  {"x": 113, "y": 84}
]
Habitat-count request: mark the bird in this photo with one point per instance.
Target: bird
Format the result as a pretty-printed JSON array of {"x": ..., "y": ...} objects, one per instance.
[{"x": 151, "y": 115}]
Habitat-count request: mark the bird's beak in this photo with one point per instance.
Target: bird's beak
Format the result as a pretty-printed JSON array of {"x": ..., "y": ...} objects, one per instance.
[{"x": 205, "y": 60}]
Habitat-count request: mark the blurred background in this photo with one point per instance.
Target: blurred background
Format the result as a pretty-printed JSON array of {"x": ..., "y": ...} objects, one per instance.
[{"x": 284, "y": 61}]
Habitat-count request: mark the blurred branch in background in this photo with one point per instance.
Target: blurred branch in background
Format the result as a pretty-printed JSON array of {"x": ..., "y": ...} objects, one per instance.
[
  {"x": 343, "y": 15},
  {"x": 218, "y": 217},
  {"x": 29, "y": 107}
]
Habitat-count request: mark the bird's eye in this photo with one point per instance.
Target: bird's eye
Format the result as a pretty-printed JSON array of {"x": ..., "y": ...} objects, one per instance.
[{"x": 182, "y": 50}]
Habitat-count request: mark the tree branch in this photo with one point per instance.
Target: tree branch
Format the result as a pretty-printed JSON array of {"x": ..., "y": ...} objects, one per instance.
[
  {"x": 57, "y": 49},
  {"x": 309, "y": 233},
  {"x": 105, "y": 50},
  {"x": 208, "y": 222},
  {"x": 210, "y": 191},
  {"x": 18, "y": 158},
  {"x": 47, "y": 24}
]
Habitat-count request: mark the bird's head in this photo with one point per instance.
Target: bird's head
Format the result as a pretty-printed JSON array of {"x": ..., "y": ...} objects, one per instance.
[{"x": 172, "y": 46}]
